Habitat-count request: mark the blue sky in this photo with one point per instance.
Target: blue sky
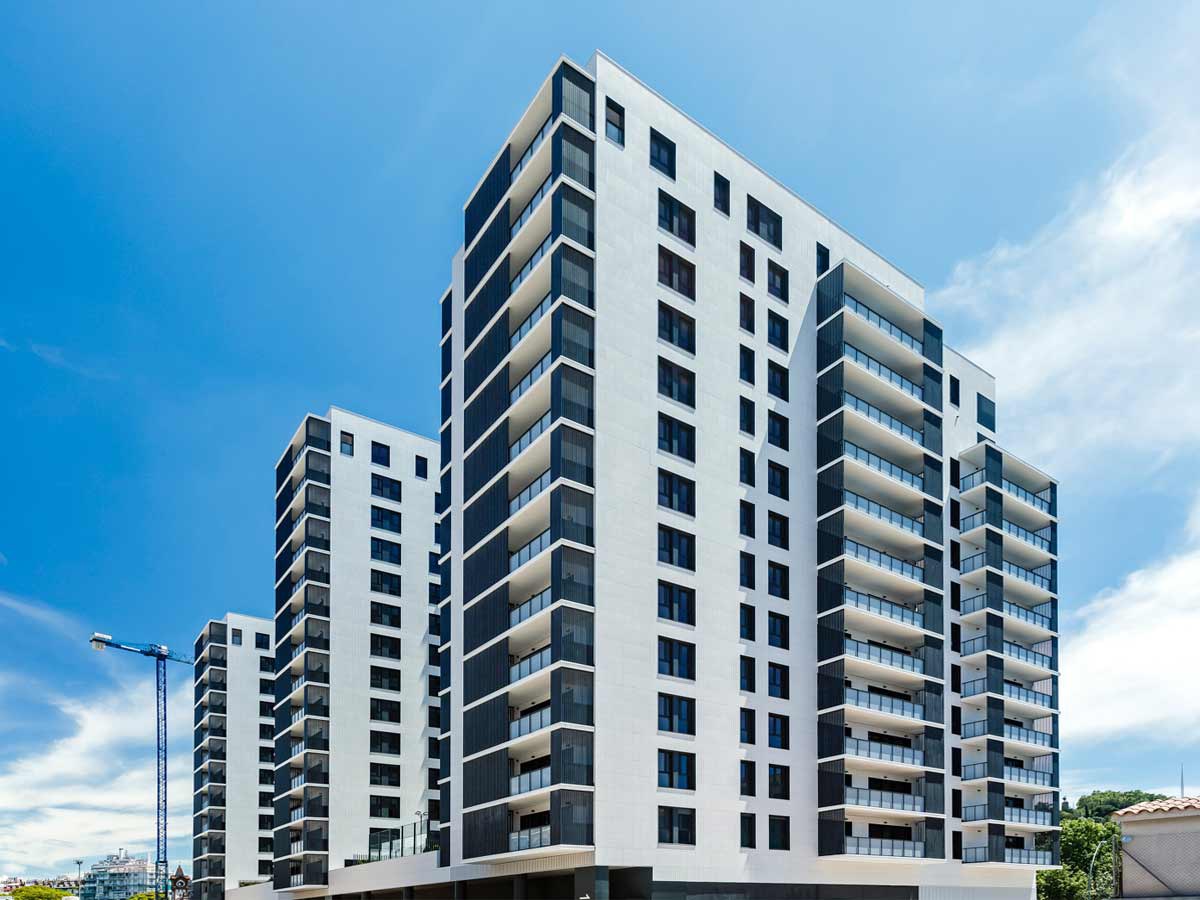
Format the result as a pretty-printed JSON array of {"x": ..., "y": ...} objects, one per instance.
[{"x": 220, "y": 217}]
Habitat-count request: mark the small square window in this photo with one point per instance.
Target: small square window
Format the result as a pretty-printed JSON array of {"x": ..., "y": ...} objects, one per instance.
[
  {"x": 381, "y": 454},
  {"x": 720, "y": 193},
  {"x": 347, "y": 443},
  {"x": 422, "y": 467},
  {"x": 662, "y": 153},
  {"x": 262, "y": 641},
  {"x": 236, "y": 637},
  {"x": 614, "y": 121}
]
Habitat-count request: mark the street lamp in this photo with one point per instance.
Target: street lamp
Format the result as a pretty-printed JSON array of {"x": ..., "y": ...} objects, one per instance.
[{"x": 1124, "y": 839}]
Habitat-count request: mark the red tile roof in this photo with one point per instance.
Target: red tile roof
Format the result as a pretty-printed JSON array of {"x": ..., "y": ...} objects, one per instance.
[{"x": 1171, "y": 804}]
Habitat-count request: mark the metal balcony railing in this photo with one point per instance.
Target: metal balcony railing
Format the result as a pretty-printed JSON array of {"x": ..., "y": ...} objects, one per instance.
[
  {"x": 885, "y": 752},
  {"x": 881, "y": 465},
  {"x": 883, "y": 560},
  {"x": 883, "y": 513},
  {"x": 875, "y": 414},
  {"x": 882, "y": 607},
  {"x": 883, "y": 703},
  {"x": 891, "y": 329},
  {"x": 883, "y": 656},
  {"x": 875, "y": 367}
]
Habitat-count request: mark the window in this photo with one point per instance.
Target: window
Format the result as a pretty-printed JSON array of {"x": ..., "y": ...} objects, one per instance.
[
  {"x": 236, "y": 638},
  {"x": 746, "y": 673},
  {"x": 746, "y": 262},
  {"x": 347, "y": 443},
  {"x": 746, "y": 364},
  {"x": 676, "y": 714},
  {"x": 746, "y": 573},
  {"x": 720, "y": 193},
  {"x": 778, "y": 580},
  {"x": 745, "y": 466},
  {"x": 662, "y": 154},
  {"x": 676, "y": 825},
  {"x": 822, "y": 259},
  {"x": 386, "y": 519},
  {"x": 385, "y": 679},
  {"x": 746, "y": 726},
  {"x": 676, "y": 273},
  {"x": 676, "y": 492},
  {"x": 747, "y": 831},
  {"x": 385, "y": 551},
  {"x": 434, "y": 568},
  {"x": 266, "y": 664},
  {"x": 746, "y": 785},
  {"x": 385, "y": 582},
  {"x": 385, "y": 614},
  {"x": 387, "y": 488},
  {"x": 777, "y": 380},
  {"x": 614, "y": 121},
  {"x": 676, "y": 218},
  {"x": 385, "y": 710},
  {"x": 385, "y": 807},
  {"x": 676, "y": 328},
  {"x": 746, "y": 415},
  {"x": 777, "y": 281},
  {"x": 262, "y": 641},
  {"x": 779, "y": 782},
  {"x": 266, "y": 686},
  {"x": 777, "y": 331},
  {"x": 778, "y": 681},
  {"x": 777, "y": 530},
  {"x": 677, "y": 603},
  {"x": 777, "y": 480},
  {"x": 777, "y": 430},
  {"x": 762, "y": 221},
  {"x": 422, "y": 470},
  {"x": 746, "y": 313},
  {"x": 777, "y": 731},
  {"x": 676, "y": 658},
  {"x": 677, "y": 770},
  {"x": 381, "y": 454},
  {"x": 779, "y": 833},
  {"x": 986, "y": 412},
  {"x": 387, "y": 647},
  {"x": 746, "y": 622},
  {"x": 777, "y": 630},
  {"x": 675, "y": 437},
  {"x": 746, "y": 518},
  {"x": 954, "y": 389},
  {"x": 385, "y": 774},
  {"x": 676, "y": 382}
]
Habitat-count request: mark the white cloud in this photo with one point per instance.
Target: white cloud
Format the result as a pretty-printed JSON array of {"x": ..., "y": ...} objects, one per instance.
[
  {"x": 39, "y": 614},
  {"x": 54, "y": 356}
]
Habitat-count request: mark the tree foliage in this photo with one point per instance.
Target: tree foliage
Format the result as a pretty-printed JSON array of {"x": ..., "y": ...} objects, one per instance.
[
  {"x": 1102, "y": 804},
  {"x": 1078, "y": 841},
  {"x": 38, "y": 892}
]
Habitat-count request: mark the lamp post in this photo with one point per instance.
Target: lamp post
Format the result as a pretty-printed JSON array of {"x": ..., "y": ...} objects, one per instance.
[{"x": 1113, "y": 856}]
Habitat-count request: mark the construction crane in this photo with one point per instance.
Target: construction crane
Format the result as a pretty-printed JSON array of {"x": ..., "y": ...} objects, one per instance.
[{"x": 160, "y": 654}]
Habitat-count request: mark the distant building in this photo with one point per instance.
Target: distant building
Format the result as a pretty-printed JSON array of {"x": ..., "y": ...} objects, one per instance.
[
  {"x": 1160, "y": 848},
  {"x": 117, "y": 878}
]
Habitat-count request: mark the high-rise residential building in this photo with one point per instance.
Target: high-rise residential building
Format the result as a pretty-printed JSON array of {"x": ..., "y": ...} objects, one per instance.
[
  {"x": 233, "y": 755},
  {"x": 354, "y": 727},
  {"x": 117, "y": 877}
]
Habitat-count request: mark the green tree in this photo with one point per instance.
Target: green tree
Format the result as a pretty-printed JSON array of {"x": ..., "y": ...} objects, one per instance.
[
  {"x": 38, "y": 892},
  {"x": 1102, "y": 804},
  {"x": 1078, "y": 841}
]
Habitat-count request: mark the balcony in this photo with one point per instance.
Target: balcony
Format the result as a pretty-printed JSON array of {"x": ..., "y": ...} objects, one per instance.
[
  {"x": 883, "y": 656},
  {"x": 907, "y": 756},
  {"x": 883, "y": 703},
  {"x": 975, "y": 771},
  {"x": 531, "y": 320},
  {"x": 867, "y": 846},
  {"x": 875, "y": 414},
  {"x": 886, "y": 326},
  {"x": 535, "y": 662},
  {"x": 1039, "y": 617},
  {"x": 882, "y": 513},
  {"x": 529, "y": 551},
  {"x": 1008, "y": 649},
  {"x": 532, "y": 149},
  {"x": 1012, "y": 856},
  {"x": 875, "y": 367},
  {"x": 531, "y": 490},
  {"x": 529, "y": 781},
  {"x": 530, "y": 722},
  {"x": 885, "y": 800},
  {"x": 885, "y": 561},
  {"x": 1010, "y": 691},
  {"x": 531, "y": 263},
  {"x": 979, "y": 728},
  {"x": 531, "y": 434},
  {"x": 1039, "y": 501},
  {"x": 529, "y": 839},
  {"x": 884, "y": 467},
  {"x": 530, "y": 607},
  {"x": 880, "y": 607}
]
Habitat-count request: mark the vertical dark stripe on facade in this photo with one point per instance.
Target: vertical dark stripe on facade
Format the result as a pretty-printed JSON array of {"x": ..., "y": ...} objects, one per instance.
[
  {"x": 484, "y": 305},
  {"x": 830, "y": 292},
  {"x": 486, "y": 460},
  {"x": 484, "y": 620},
  {"x": 485, "y": 672},
  {"x": 491, "y": 189},
  {"x": 485, "y": 725},
  {"x": 488, "y": 406},
  {"x": 486, "y": 251},
  {"x": 486, "y": 355}
]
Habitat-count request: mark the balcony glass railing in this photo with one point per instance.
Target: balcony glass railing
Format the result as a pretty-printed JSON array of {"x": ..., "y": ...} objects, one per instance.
[
  {"x": 1028, "y": 735},
  {"x": 1016, "y": 651},
  {"x": 864, "y": 846},
  {"x": 881, "y": 607},
  {"x": 531, "y": 376},
  {"x": 1024, "y": 857},
  {"x": 1034, "y": 578},
  {"x": 883, "y": 656},
  {"x": 1029, "y": 537},
  {"x": 974, "y": 770},
  {"x": 530, "y": 321},
  {"x": 883, "y": 513},
  {"x": 529, "y": 781},
  {"x": 543, "y": 132},
  {"x": 530, "y": 607},
  {"x": 973, "y": 479},
  {"x": 530, "y": 491},
  {"x": 875, "y": 367},
  {"x": 975, "y": 813},
  {"x": 531, "y": 263},
  {"x": 979, "y": 601},
  {"x": 973, "y": 562},
  {"x": 529, "y": 723},
  {"x": 1036, "y": 501},
  {"x": 884, "y": 799},
  {"x": 529, "y": 838},
  {"x": 883, "y": 560},
  {"x": 530, "y": 664},
  {"x": 1037, "y": 698},
  {"x": 879, "y": 464},
  {"x": 529, "y": 551},
  {"x": 972, "y": 521},
  {"x": 886, "y": 752},
  {"x": 534, "y": 201},
  {"x": 888, "y": 327},
  {"x": 875, "y": 414},
  {"x": 971, "y": 688},
  {"x": 883, "y": 703},
  {"x": 1027, "y": 816},
  {"x": 973, "y": 646},
  {"x": 532, "y": 434}
]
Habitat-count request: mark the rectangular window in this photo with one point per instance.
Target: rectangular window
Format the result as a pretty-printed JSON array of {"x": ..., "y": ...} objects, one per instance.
[
  {"x": 662, "y": 153},
  {"x": 777, "y": 331},
  {"x": 746, "y": 726},
  {"x": 262, "y": 641},
  {"x": 387, "y": 647},
  {"x": 676, "y": 825},
  {"x": 347, "y": 443},
  {"x": 385, "y": 582},
  {"x": 676, "y": 382},
  {"x": 385, "y": 774},
  {"x": 236, "y": 637},
  {"x": 764, "y": 222},
  {"x": 746, "y": 518},
  {"x": 746, "y": 779},
  {"x": 676, "y": 273},
  {"x": 385, "y": 551},
  {"x": 675, "y": 437},
  {"x": 385, "y": 614},
  {"x": 676, "y": 714},
  {"x": 676, "y": 218},
  {"x": 676, "y": 328},
  {"x": 677, "y": 770},
  {"x": 384, "y": 807},
  {"x": 720, "y": 193},
  {"x": 779, "y": 833},
  {"x": 381, "y": 454},
  {"x": 386, "y": 519},
  {"x": 777, "y": 430},
  {"x": 986, "y": 412},
  {"x": 777, "y": 480},
  {"x": 385, "y": 679},
  {"x": 822, "y": 259},
  {"x": 747, "y": 831},
  {"x": 422, "y": 469},
  {"x": 677, "y": 603},
  {"x": 779, "y": 782},
  {"x": 777, "y": 281},
  {"x": 676, "y": 658},
  {"x": 746, "y": 673},
  {"x": 385, "y": 742},
  {"x": 745, "y": 466},
  {"x": 778, "y": 580},
  {"x": 778, "y": 731},
  {"x": 385, "y": 710},
  {"x": 746, "y": 312},
  {"x": 746, "y": 621},
  {"x": 387, "y": 488},
  {"x": 676, "y": 492},
  {"x": 746, "y": 364},
  {"x": 614, "y": 121},
  {"x": 777, "y": 530},
  {"x": 746, "y": 570},
  {"x": 746, "y": 262},
  {"x": 777, "y": 630},
  {"x": 954, "y": 389},
  {"x": 778, "y": 681},
  {"x": 746, "y": 415},
  {"x": 777, "y": 380}
]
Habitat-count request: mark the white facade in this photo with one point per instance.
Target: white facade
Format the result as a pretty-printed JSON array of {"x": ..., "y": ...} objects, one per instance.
[{"x": 234, "y": 747}]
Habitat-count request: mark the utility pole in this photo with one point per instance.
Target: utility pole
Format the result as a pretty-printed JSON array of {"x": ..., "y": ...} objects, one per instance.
[{"x": 160, "y": 654}]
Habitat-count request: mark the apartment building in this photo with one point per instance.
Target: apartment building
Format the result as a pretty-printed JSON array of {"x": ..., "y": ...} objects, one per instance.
[
  {"x": 354, "y": 663},
  {"x": 233, "y": 755}
]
